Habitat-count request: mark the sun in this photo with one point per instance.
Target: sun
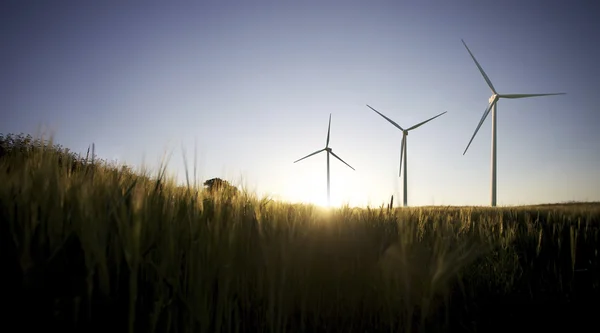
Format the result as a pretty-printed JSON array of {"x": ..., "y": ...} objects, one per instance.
[
  {"x": 324, "y": 204},
  {"x": 312, "y": 192},
  {"x": 313, "y": 199}
]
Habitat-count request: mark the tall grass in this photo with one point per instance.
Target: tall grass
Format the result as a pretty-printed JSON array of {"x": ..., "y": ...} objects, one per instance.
[{"x": 97, "y": 248}]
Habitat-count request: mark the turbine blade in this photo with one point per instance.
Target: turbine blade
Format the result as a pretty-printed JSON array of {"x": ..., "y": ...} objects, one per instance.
[
  {"x": 401, "y": 154},
  {"x": 309, "y": 155},
  {"x": 487, "y": 111},
  {"x": 428, "y": 120},
  {"x": 328, "y": 129},
  {"x": 487, "y": 79},
  {"x": 388, "y": 119},
  {"x": 334, "y": 155},
  {"x": 528, "y": 95}
]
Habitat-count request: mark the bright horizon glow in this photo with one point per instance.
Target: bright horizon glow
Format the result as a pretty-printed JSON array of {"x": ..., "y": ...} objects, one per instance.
[{"x": 251, "y": 87}]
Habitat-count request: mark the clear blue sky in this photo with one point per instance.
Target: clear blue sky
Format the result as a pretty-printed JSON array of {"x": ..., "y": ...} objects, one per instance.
[{"x": 253, "y": 83}]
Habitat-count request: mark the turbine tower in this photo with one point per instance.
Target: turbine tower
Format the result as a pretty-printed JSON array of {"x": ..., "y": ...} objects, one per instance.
[
  {"x": 492, "y": 106},
  {"x": 403, "y": 146},
  {"x": 329, "y": 151}
]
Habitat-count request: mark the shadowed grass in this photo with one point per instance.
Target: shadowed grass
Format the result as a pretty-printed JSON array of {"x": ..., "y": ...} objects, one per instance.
[{"x": 97, "y": 248}]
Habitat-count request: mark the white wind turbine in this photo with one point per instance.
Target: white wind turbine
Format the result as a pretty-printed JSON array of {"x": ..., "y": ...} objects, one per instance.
[
  {"x": 329, "y": 151},
  {"x": 493, "y": 101},
  {"x": 403, "y": 146}
]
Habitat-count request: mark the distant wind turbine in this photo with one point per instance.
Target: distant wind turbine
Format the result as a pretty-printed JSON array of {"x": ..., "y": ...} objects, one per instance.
[
  {"x": 329, "y": 151},
  {"x": 493, "y": 101},
  {"x": 403, "y": 146}
]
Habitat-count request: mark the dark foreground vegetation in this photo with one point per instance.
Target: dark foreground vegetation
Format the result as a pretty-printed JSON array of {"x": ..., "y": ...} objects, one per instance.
[{"x": 87, "y": 246}]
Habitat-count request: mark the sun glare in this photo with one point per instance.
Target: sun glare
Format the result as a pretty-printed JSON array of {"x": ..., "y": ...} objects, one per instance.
[
  {"x": 309, "y": 191},
  {"x": 308, "y": 197}
]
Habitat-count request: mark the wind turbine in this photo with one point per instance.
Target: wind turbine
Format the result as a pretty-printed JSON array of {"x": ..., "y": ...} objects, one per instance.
[
  {"x": 493, "y": 101},
  {"x": 329, "y": 151},
  {"x": 403, "y": 146}
]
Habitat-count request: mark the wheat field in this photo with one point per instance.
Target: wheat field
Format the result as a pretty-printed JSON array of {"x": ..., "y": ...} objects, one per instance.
[{"x": 92, "y": 247}]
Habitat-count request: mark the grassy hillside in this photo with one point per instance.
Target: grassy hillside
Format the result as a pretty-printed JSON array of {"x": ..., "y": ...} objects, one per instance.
[{"x": 92, "y": 247}]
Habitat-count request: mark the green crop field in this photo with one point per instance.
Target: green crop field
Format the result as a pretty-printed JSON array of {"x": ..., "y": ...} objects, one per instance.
[{"x": 93, "y": 247}]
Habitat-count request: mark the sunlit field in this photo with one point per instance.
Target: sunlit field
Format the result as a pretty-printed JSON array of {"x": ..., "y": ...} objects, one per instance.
[{"x": 92, "y": 247}]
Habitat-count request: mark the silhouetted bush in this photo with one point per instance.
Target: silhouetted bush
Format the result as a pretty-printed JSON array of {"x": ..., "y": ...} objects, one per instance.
[{"x": 219, "y": 185}]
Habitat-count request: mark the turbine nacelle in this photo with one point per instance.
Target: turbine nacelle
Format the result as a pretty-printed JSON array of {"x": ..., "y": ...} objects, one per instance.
[{"x": 494, "y": 98}]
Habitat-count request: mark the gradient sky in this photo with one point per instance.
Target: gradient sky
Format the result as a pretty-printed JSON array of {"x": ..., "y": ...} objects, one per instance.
[{"x": 252, "y": 83}]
